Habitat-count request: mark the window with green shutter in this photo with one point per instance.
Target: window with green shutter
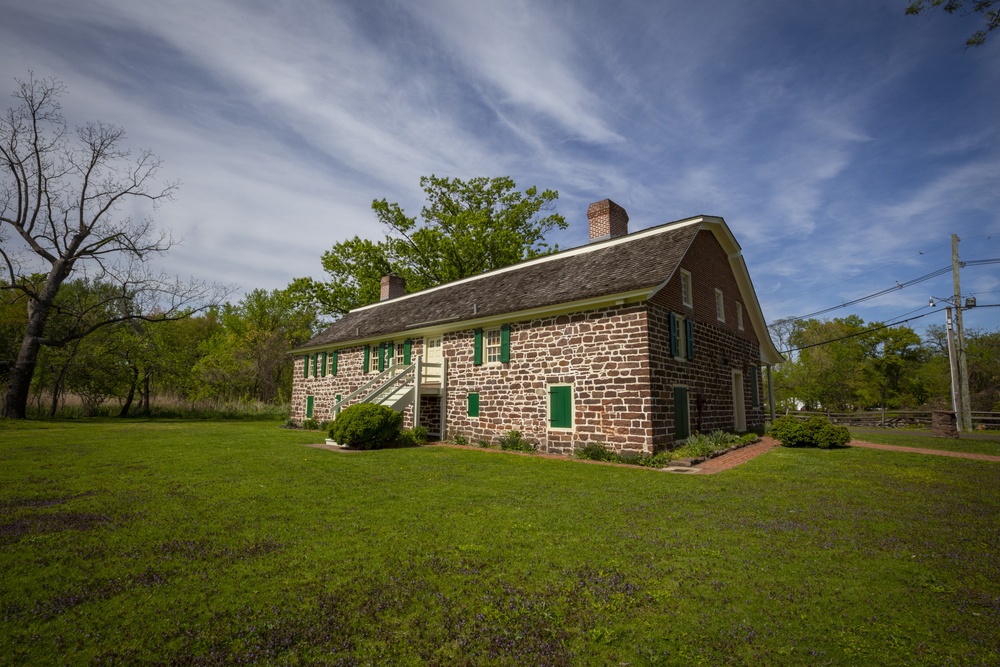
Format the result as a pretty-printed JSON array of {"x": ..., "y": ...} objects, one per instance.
[
  {"x": 366, "y": 364},
  {"x": 505, "y": 344},
  {"x": 333, "y": 361},
  {"x": 322, "y": 365},
  {"x": 390, "y": 353},
  {"x": 305, "y": 366},
  {"x": 315, "y": 364},
  {"x": 560, "y": 406},
  {"x": 338, "y": 399},
  {"x": 309, "y": 407},
  {"x": 381, "y": 357},
  {"x": 682, "y": 419},
  {"x": 407, "y": 349},
  {"x": 477, "y": 353},
  {"x": 473, "y": 405}
]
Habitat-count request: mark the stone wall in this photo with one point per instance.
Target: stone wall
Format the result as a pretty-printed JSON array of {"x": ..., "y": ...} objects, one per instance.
[{"x": 602, "y": 354}]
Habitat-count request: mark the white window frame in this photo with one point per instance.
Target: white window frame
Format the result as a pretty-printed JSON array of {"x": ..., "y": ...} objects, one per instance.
[
  {"x": 492, "y": 346},
  {"x": 548, "y": 408},
  {"x": 687, "y": 289},
  {"x": 399, "y": 352},
  {"x": 739, "y": 315},
  {"x": 720, "y": 305}
]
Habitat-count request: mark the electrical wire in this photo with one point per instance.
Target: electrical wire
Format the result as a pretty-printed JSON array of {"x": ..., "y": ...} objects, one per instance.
[
  {"x": 888, "y": 290},
  {"x": 881, "y": 326}
]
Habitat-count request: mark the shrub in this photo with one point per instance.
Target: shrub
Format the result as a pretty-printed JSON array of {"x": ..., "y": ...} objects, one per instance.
[
  {"x": 515, "y": 442},
  {"x": 483, "y": 443},
  {"x": 596, "y": 451},
  {"x": 826, "y": 435},
  {"x": 366, "y": 426},
  {"x": 460, "y": 440},
  {"x": 814, "y": 432},
  {"x": 310, "y": 425},
  {"x": 788, "y": 432},
  {"x": 411, "y": 437}
]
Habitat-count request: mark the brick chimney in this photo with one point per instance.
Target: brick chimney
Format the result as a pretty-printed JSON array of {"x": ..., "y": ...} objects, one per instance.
[
  {"x": 607, "y": 219},
  {"x": 392, "y": 286}
]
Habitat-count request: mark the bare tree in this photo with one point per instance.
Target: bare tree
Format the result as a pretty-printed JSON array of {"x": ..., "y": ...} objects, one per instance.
[{"x": 61, "y": 195}]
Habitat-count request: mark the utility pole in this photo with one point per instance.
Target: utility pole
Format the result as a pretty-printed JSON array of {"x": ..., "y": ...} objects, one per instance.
[
  {"x": 956, "y": 393},
  {"x": 963, "y": 368}
]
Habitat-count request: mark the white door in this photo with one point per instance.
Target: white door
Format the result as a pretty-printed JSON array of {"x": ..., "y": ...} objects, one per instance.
[
  {"x": 739, "y": 407},
  {"x": 432, "y": 357}
]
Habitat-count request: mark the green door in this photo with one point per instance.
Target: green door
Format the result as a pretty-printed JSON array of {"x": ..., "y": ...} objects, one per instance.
[{"x": 682, "y": 416}]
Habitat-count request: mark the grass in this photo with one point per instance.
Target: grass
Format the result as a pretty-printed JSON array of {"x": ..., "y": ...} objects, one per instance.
[
  {"x": 175, "y": 543},
  {"x": 982, "y": 444}
]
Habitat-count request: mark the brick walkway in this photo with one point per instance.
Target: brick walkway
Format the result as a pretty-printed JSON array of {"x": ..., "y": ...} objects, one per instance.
[
  {"x": 918, "y": 450},
  {"x": 741, "y": 455}
]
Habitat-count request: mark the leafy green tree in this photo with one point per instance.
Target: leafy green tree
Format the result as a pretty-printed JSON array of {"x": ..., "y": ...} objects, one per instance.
[
  {"x": 466, "y": 228},
  {"x": 247, "y": 358},
  {"x": 988, "y": 9},
  {"x": 847, "y": 364}
]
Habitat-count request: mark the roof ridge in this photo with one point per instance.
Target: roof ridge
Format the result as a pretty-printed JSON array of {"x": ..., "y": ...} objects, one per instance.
[{"x": 570, "y": 252}]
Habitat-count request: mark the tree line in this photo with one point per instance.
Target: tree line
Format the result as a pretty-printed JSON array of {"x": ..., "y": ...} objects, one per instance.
[{"x": 845, "y": 364}]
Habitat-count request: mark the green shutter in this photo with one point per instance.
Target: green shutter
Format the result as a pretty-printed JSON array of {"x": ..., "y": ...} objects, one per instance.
[
  {"x": 367, "y": 362},
  {"x": 333, "y": 361},
  {"x": 682, "y": 421},
  {"x": 407, "y": 349},
  {"x": 754, "y": 398},
  {"x": 309, "y": 407},
  {"x": 473, "y": 405},
  {"x": 315, "y": 364},
  {"x": 675, "y": 334},
  {"x": 390, "y": 357},
  {"x": 305, "y": 366},
  {"x": 381, "y": 357},
  {"x": 338, "y": 402},
  {"x": 322, "y": 365},
  {"x": 477, "y": 358},
  {"x": 689, "y": 330},
  {"x": 561, "y": 407},
  {"x": 505, "y": 343}
]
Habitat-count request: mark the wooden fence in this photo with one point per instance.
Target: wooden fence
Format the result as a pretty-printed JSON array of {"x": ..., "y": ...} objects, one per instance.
[{"x": 894, "y": 418}]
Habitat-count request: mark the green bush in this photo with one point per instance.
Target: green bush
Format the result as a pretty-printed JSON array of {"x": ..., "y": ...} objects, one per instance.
[
  {"x": 411, "y": 437},
  {"x": 814, "y": 432},
  {"x": 515, "y": 442},
  {"x": 596, "y": 451},
  {"x": 366, "y": 426},
  {"x": 460, "y": 440},
  {"x": 310, "y": 425},
  {"x": 420, "y": 434}
]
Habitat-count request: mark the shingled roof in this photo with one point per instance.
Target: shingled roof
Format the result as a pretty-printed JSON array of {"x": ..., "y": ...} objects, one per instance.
[{"x": 634, "y": 262}]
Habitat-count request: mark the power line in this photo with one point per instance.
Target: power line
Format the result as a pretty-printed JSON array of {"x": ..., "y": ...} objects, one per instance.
[
  {"x": 888, "y": 290},
  {"x": 882, "y": 326},
  {"x": 860, "y": 333}
]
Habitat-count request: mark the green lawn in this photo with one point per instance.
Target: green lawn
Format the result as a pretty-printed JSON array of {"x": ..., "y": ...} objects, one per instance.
[
  {"x": 176, "y": 543},
  {"x": 977, "y": 443}
]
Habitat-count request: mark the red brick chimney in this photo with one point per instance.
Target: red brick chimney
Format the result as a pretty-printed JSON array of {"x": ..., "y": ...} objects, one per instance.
[
  {"x": 392, "y": 286},
  {"x": 607, "y": 219}
]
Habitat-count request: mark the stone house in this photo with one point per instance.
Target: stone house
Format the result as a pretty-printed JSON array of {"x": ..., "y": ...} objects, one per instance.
[{"x": 634, "y": 340}]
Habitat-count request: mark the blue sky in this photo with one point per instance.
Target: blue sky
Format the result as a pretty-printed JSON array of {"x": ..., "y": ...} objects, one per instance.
[{"x": 843, "y": 142}]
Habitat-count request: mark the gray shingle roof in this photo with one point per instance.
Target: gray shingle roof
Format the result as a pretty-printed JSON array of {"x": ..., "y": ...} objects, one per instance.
[{"x": 610, "y": 267}]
